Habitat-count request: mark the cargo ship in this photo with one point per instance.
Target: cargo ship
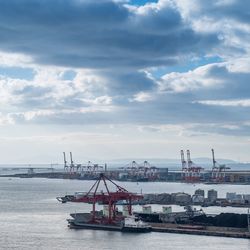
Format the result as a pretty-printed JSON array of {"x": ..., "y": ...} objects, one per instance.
[{"x": 109, "y": 218}]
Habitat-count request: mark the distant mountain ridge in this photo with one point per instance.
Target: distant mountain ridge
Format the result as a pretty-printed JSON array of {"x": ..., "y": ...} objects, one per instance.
[
  {"x": 201, "y": 160},
  {"x": 171, "y": 164},
  {"x": 175, "y": 164}
]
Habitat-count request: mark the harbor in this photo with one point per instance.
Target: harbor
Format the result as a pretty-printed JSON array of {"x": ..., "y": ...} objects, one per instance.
[
  {"x": 110, "y": 218},
  {"x": 40, "y": 219},
  {"x": 186, "y": 171},
  {"x": 125, "y": 125},
  {"x": 193, "y": 220},
  {"x": 166, "y": 228}
]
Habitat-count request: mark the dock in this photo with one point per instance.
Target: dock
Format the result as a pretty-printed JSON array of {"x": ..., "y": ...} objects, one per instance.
[{"x": 206, "y": 231}]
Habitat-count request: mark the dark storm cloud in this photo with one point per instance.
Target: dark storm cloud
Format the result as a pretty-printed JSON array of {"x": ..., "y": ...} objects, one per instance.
[
  {"x": 96, "y": 34},
  {"x": 127, "y": 83},
  {"x": 178, "y": 109},
  {"x": 101, "y": 35}
]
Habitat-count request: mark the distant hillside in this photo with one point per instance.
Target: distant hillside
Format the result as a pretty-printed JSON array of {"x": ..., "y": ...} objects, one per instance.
[
  {"x": 175, "y": 164},
  {"x": 203, "y": 160}
]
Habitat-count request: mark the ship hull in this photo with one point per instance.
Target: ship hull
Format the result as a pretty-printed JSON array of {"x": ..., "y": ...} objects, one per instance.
[
  {"x": 136, "y": 230},
  {"x": 80, "y": 225}
]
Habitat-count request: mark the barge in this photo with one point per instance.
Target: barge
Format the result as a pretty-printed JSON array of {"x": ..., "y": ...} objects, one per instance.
[
  {"x": 127, "y": 224},
  {"x": 109, "y": 218}
]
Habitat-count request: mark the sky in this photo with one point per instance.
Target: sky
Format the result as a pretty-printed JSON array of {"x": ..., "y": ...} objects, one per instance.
[{"x": 110, "y": 79}]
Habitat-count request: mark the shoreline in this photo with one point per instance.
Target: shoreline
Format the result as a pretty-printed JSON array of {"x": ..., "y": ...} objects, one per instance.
[
  {"x": 62, "y": 175},
  {"x": 176, "y": 229}
]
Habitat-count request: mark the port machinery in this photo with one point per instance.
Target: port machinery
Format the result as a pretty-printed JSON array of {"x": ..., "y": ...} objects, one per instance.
[
  {"x": 143, "y": 170},
  {"x": 218, "y": 171},
  {"x": 89, "y": 168},
  {"x": 107, "y": 197},
  {"x": 190, "y": 172}
]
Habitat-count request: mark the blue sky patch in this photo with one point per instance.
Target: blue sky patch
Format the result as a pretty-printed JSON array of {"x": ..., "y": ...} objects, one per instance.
[
  {"x": 69, "y": 75},
  {"x": 187, "y": 66},
  {"x": 142, "y": 2},
  {"x": 17, "y": 72}
]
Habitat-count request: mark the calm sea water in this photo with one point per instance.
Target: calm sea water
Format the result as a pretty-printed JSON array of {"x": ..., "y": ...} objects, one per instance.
[{"x": 31, "y": 218}]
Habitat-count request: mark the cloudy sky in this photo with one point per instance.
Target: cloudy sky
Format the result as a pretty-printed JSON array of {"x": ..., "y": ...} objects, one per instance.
[{"x": 124, "y": 78}]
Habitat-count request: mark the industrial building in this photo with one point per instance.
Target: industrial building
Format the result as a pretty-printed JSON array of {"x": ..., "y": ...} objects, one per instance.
[{"x": 212, "y": 195}]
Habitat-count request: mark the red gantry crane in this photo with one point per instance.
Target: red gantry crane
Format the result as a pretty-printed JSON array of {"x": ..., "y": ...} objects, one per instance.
[{"x": 107, "y": 197}]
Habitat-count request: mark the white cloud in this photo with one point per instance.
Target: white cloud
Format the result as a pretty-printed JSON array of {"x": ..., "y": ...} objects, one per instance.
[
  {"x": 142, "y": 97},
  {"x": 102, "y": 100},
  {"x": 15, "y": 60},
  {"x": 7, "y": 87},
  {"x": 110, "y": 82},
  {"x": 230, "y": 103},
  {"x": 228, "y": 18},
  {"x": 6, "y": 119},
  {"x": 34, "y": 114},
  {"x": 240, "y": 65},
  {"x": 191, "y": 80},
  {"x": 89, "y": 81}
]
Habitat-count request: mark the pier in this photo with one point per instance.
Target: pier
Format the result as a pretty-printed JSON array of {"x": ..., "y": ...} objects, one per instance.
[{"x": 206, "y": 231}]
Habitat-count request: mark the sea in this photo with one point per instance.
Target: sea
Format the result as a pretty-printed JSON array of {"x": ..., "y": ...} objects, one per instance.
[{"x": 31, "y": 218}]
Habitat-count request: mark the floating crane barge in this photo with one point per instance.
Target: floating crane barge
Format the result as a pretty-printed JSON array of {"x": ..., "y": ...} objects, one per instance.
[{"x": 113, "y": 221}]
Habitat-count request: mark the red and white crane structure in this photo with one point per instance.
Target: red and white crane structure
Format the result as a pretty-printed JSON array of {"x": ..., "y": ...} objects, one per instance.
[{"x": 190, "y": 171}]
